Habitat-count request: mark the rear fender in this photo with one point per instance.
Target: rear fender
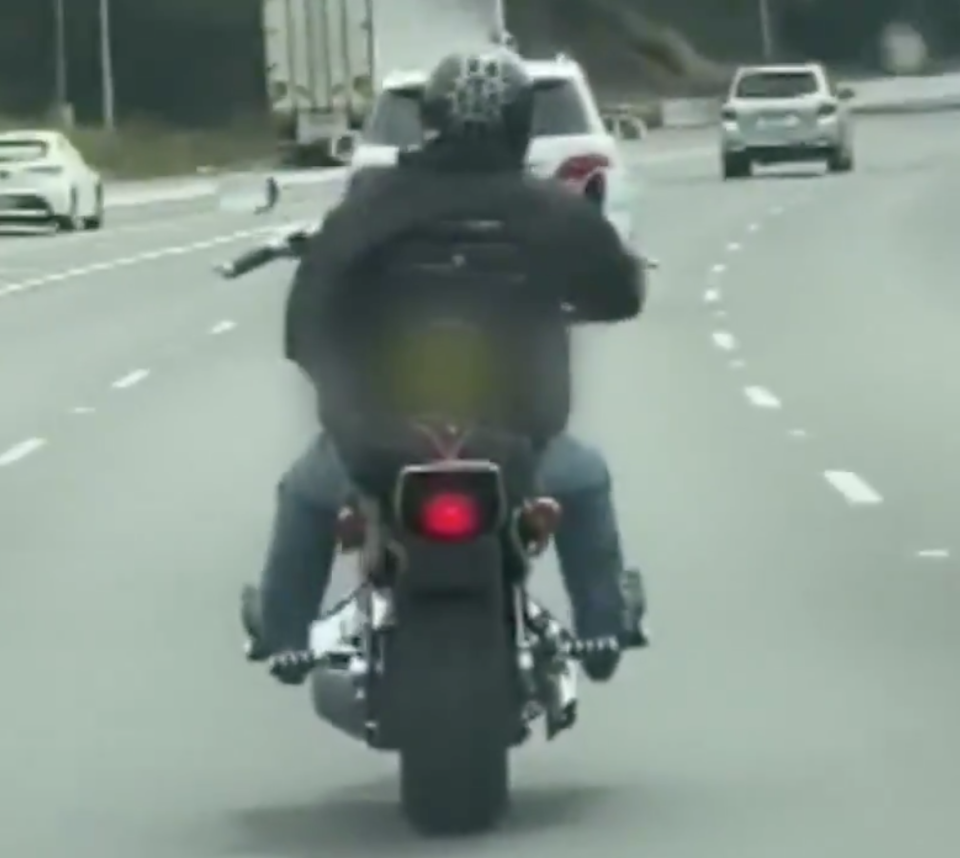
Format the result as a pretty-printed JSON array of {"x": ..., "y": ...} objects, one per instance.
[
  {"x": 450, "y": 653},
  {"x": 454, "y": 570}
]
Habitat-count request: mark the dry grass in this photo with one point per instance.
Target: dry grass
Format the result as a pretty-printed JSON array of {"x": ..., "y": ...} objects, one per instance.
[{"x": 146, "y": 150}]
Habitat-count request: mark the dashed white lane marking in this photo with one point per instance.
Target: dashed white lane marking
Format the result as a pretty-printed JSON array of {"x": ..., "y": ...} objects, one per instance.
[
  {"x": 720, "y": 313},
  {"x": 754, "y": 227},
  {"x": 719, "y": 268},
  {"x": 933, "y": 554},
  {"x": 737, "y": 364},
  {"x": 20, "y": 451},
  {"x": 733, "y": 247},
  {"x": 130, "y": 379},
  {"x": 761, "y": 397},
  {"x": 82, "y": 409},
  {"x": 724, "y": 340},
  {"x": 797, "y": 433},
  {"x": 124, "y": 262},
  {"x": 223, "y": 327},
  {"x": 711, "y": 296},
  {"x": 855, "y": 490}
]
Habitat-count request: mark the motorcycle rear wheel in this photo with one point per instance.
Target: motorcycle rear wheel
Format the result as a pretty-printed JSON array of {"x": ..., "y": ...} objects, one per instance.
[
  {"x": 457, "y": 794},
  {"x": 459, "y": 715}
]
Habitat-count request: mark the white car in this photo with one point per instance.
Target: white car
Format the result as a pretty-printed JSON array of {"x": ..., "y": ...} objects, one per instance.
[
  {"x": 45, "y": 181},
  {"x": 785, "y": 114},
  {"x": 570, "y": 143}
]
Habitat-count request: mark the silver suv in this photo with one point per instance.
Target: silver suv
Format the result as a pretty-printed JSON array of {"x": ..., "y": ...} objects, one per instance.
[{"x": 785, "y": 114}]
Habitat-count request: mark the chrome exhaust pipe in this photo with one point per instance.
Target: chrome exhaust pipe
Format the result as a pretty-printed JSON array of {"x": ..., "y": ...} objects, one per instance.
[{"x": 337, "y": 699}]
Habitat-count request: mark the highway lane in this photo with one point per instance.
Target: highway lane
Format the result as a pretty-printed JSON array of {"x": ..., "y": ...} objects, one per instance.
[
  {"x": 82, "y": 312},
  {"x": 79, "y": 312},
  {"x": 868, "y": 274},
  {"x": 790, "y": 706}
]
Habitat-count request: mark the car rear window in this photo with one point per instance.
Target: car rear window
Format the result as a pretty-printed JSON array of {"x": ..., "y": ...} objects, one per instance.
[
  {"x": 777, "y": 85},
  {"x": 559, "y": 111},
  {"x": 22, "y": 150}
]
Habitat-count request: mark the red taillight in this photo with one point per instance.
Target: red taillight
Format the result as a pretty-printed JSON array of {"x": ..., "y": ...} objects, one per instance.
[
  {"x": 579, "y": 169},
  {"x": 451, "y": 517}
]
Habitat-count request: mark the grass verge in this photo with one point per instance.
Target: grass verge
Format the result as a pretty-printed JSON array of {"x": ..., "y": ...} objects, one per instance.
[{"x": 143, "y": 150}]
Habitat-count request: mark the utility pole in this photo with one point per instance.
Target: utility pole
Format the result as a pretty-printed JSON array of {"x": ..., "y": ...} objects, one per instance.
[
  {"x": 106, "y": 68},
  {"x": 62, "y": 95},
  {"x": 766, "y": 30}
]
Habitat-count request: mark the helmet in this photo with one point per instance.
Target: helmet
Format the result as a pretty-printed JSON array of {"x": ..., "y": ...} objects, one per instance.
[{"x": 480, "y": 99}]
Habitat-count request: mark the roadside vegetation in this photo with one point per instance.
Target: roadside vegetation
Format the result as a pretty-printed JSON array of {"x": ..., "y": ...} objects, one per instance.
[{"x": 150, "y": 150}]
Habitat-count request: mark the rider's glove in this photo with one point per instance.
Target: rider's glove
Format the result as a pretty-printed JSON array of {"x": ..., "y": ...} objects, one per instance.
[{"x": 291, "y": 667}]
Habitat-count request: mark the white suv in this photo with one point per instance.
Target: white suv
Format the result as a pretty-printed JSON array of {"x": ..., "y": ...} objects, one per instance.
[
  {"x": 783, "y": 114},
  {"x": 570, "y": 143}
]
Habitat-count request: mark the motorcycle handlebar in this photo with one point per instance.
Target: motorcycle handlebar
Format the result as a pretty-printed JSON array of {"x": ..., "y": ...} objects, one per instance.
[
  {"x": 249, "y": 261},
  {"x": 290, "y": 245}
]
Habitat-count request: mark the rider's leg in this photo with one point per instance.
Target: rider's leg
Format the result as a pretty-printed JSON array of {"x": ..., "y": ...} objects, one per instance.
[
  {"x": 588, "y": 541},
  {"x": 300, "y": 558}
]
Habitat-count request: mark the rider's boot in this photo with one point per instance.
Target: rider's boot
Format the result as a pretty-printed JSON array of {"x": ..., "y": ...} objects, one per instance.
[
  {"x": 601, "y": 654},
  {"x": 250, "y": 618}
]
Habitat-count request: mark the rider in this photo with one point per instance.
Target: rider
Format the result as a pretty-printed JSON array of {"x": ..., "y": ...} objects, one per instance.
[{"x": 477, "y": 112}]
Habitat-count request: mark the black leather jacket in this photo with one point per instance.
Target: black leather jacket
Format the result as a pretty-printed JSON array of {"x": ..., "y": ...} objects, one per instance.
[{"x": 443, "y": 221}]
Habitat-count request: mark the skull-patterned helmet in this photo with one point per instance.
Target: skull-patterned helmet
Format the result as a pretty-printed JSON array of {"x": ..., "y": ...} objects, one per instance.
[{"x": 479, "y": 97}]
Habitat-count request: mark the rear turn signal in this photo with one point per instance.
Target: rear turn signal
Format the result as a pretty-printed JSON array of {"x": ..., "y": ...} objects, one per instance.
[
  {"x": 451, "y": 517},
  {"x": 579, "y": 169}
]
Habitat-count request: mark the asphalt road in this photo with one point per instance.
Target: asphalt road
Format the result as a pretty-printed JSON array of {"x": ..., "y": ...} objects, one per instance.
[{"x": 782, "y": 427}]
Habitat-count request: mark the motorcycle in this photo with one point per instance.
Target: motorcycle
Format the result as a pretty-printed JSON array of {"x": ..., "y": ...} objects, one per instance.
[{"x": 440, "y": 654}]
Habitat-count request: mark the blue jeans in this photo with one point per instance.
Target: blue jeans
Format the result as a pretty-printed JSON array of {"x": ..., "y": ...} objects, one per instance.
[{"x": 315, "y": 488}]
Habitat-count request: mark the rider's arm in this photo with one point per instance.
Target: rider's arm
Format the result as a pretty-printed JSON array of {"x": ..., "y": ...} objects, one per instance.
[{"x": 607, "y": 282}]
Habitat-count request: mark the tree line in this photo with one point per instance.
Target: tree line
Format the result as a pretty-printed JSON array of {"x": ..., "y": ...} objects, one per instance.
[{"x": 200, "y": 62}]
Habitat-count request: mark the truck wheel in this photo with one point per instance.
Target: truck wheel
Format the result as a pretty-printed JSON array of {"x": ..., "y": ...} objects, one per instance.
[
  {"x": 736, "y": 167},
  {"x": 840, "y": 161}
]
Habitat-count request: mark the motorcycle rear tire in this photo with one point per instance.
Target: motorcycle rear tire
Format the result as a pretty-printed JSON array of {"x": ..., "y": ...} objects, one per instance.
[
  {"x": 460, "y": 716},
  {"x": 458, "y": 794}
]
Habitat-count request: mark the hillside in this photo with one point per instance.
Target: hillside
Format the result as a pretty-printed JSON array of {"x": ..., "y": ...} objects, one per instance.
[{"x": 199, "y": 62}]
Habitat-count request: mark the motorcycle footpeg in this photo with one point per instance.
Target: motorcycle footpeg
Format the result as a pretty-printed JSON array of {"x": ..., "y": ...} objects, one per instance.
[{"x": 291, "y": 667}]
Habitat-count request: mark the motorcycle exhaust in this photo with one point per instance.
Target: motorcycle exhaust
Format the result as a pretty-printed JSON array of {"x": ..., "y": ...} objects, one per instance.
[{"x": 337, "y": 700}]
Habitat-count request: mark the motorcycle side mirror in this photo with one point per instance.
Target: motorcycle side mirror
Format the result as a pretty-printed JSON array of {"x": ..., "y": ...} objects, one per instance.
[{"x": 247, "y": 194}]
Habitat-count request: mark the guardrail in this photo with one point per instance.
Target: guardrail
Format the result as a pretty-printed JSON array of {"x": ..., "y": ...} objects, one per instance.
[{"x": 879, "y": 96}]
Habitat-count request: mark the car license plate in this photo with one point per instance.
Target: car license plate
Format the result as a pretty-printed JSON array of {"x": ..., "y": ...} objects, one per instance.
[{"x": 777, "y": 122}]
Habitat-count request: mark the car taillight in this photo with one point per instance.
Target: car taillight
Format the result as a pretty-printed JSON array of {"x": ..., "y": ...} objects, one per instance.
[
  {"x": 579, "y": 169},
  {"x": 827, "y": 110},
  {"x": 451, "y": 517}
]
